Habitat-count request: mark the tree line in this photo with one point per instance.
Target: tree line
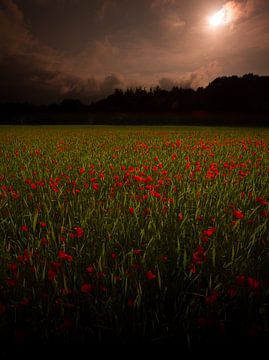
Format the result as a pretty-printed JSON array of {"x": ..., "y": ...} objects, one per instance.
[{"x": 248, "y": 94}]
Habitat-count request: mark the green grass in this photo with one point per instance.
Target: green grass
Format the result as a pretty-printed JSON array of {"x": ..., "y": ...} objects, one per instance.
[{"x": 133, "y": 233}]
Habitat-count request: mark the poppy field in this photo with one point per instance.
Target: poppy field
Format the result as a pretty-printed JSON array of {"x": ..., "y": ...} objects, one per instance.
[{"x": 133, "y": 234}]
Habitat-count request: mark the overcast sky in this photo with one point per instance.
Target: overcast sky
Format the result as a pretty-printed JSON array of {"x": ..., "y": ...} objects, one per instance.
[{"x": 53, "y": 49}]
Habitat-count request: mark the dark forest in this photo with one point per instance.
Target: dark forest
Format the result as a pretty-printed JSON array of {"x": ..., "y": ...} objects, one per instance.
[{"x": 226, "y": 101}]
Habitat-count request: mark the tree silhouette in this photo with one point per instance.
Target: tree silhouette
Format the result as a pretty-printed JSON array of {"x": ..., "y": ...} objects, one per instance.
[{"x": 247, "y": 94}]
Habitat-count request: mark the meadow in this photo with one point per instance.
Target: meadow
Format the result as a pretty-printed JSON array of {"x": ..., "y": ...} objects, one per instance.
[{"x": 133, "y": 234}]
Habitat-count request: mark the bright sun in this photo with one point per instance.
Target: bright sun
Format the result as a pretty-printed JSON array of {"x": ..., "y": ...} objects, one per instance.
[{"x": 218, "y": 19}]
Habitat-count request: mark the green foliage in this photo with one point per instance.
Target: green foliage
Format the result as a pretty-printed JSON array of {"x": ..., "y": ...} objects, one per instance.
[{"x": 133, "y": 233}]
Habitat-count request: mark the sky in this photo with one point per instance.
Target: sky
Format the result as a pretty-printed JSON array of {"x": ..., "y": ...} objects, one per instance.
[{"x": 56, "y": 49}]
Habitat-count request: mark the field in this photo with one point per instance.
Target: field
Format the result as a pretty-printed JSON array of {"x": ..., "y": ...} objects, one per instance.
[{"x": 133, "y": 235}]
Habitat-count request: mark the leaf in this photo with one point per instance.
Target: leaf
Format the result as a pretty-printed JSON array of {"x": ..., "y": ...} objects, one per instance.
[
  {"x": 214, "y": 255},
  {"x": 35, "y": 220}
]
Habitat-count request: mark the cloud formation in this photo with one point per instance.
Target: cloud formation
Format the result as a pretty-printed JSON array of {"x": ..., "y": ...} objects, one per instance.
[
  {"x": 36, "y": 72},
  {"x": 30, "y": 67},
  {"x": 235, "y": 11},
  {"x": 194, "y": 79},
  {"x": 160, "y": 3},
  {"x": 50, "y": 50}
]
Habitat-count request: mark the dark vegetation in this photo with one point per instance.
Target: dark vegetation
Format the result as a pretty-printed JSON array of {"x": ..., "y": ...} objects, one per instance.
[{"x": 225, "y": 101}]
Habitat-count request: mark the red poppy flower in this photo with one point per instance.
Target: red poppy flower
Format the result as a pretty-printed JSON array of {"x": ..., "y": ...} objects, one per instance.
[
  {"x": 24, "y": 228},
  {"x": 130, "y": 302},
  {"x": 25, "y": 257},
  {"x": 242, "y": 194},
  {"x": 137, "y": 251},
  {"x": 79, "y": 231},
  {"x": 212, "y": 298},
  {"x": 150, "y": 275},
  {"x": 193, "y": 269},
  {"x": 199, "y": 255},
  {"x": 204, "y": 239},
  {"x": 90, "y": 269},
  {"x": 103, "y": 288},
  {"x": 44, "y": 241},
  {"x": 95, "y": 186},
  {"x": 264, "y": 214},
  {"x": 240, "y": 280},
  {"x": 52, "y": 274},
  {"x": 156, "y": 194},
  {"x": 10, "y": 282},
  {"x": 253, "y": 283},
  {"x": 238, "y": 214},
  {"x": 231, "y": 292},
  {"x": 210, "y": 231},
  {"x": 64, "y": 256},
  {"x": 135, "y": 266},
  {"x": 137, "y": 178},
  {"x": 13, "y": 267},
  {"x": 56, "y": 264},
  {"x": 86, "y": 288},
  {"x": 261, "y": 201},
  {"x": 180, "y": 216},
  {"x": 131, "y": 210},
  {"x": 65, "y": 291},
  {"x": 25, "y": 301}
]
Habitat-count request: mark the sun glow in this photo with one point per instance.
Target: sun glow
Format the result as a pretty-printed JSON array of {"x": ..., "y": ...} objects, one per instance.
[{"x": 218, "y": 19}]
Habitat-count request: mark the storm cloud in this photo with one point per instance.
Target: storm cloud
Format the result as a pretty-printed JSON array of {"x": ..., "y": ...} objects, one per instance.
[{"x": 50, "y": 50}]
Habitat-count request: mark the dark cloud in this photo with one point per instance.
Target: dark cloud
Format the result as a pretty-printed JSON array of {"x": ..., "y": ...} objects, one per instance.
[
  {"x": 194, "y": 79},
  {"x": 110, "y": 82},
  {"x": 167, "y": 83},
  {"x": 161, "y": 3},
  {"x": 55, "y": 49},
  {"x": 105, "y": 9},
  {"x": 28, "y": 67},
  {"x": 36, "y": 72}
]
